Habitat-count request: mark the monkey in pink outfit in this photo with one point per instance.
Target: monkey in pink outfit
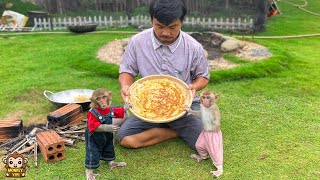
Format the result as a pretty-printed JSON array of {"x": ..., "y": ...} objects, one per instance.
[{"x": 209, "y": 142}]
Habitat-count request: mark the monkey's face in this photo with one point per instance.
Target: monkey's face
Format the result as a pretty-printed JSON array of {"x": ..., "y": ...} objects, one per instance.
[
  {"x": 206, "y": 101},
  {"x": 15, "y": 162},
  {"x": 101, "y": 98},
  {"x": 102, "y": 101}
]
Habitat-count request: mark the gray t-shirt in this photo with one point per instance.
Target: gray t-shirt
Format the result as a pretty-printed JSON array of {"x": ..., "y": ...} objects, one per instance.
[{"x": 183, "y": 59}]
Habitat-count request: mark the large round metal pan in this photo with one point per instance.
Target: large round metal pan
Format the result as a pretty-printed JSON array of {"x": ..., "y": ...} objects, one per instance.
[
  {"x": 78, "y": 96},
  {"x": 139, "y": 83}
]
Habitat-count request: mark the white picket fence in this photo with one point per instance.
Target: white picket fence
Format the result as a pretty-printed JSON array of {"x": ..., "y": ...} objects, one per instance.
[{"x": 144, "y": 21}]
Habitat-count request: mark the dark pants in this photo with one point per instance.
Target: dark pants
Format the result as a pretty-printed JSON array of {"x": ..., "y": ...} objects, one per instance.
[
  {"x": 187, "y": 127},
  {"x": 99, "y": 146}
]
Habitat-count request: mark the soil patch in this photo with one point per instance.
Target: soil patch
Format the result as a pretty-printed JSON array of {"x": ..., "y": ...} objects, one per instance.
[{"x": 113, "y": 51}]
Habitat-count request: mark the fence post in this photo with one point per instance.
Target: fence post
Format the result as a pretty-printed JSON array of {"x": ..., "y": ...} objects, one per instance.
[
  {"x": 145, "y": 20},
  {"x": 137, "y": 20},
  {"x": 215, "y": 23},
  {"x": 70, "y": 21},
  {"x": 64, "y": 23},
  {"x": 121, "y": 21},
  {"x": 232, "y": 24},
  {"x": 54, "y": 23},
  {"x": 251, "y": 23},
  {"x": 186, "y": 21},
  {"x": 105, "y": 21},
  {"x": 35, "y": 24},
  {"x": 79, "y": 20},
  {"x": 209, "y": 23},
  {"x": 127, "y": 21},
  {"x": 45, "y": 24},
  {"x": 49, "y": 22},
  {"x": 59, "y": 23},
  {"x": 94, "y": 18},
  {"x": 228, "y": 24},
  {"x": 100, "y": 22},
  {"x": 132, "y": 20},
  {"x": 245, "y": 23},
  {"x": 141, "y": 19},
  {"x": 204, "y": 23},
  {"x": 111, "y": 21}
]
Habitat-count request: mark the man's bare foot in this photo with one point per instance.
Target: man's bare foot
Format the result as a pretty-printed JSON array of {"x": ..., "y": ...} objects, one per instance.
[
  {"x": 216, "y": 173},
  {"x": 113, "y": 164}
]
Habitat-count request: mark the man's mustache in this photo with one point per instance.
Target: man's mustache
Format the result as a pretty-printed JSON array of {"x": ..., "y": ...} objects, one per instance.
[{"x": 165, "y": 37}]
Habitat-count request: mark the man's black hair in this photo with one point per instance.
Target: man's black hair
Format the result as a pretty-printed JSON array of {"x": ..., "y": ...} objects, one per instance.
[{"x": 167, "y": 11}]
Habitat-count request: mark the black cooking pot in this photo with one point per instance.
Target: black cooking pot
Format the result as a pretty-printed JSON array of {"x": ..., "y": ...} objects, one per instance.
[{"x": 82, "y": 28}]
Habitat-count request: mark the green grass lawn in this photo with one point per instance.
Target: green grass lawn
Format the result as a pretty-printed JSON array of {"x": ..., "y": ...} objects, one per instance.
[{"x": 270, "y": 110}]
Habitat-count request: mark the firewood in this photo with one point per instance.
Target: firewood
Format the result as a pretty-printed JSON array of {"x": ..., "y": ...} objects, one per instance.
[
  {"x": 35, "y": 154},
  {"x": 74, "y": 128},
  {"x": 17, "y": 145},
  {"x": 84, "y": 120},
  {"x": 68, "y": 141},
  {"x": 11, "y": 141},
  {"x": 28, "y": 138},
  {"x": 74, "y": 137},
  {"x": 71, "y": 132},
  {"x": 24, "y": 143},
  {"x": 73, "y": 146},
  {"x": 27, "y": 149}
]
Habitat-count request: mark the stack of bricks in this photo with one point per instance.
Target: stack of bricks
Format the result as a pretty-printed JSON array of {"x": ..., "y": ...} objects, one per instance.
[
  {"x": 70, "y": 114},
  {"x": 51, "y": 146},
  {"x": 10, "y": 129}
]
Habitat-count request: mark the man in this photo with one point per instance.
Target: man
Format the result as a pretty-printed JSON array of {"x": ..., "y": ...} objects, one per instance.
[{"x": 163, "y": 49}]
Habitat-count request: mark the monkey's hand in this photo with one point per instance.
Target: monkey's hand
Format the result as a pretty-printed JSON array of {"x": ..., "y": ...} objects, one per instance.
[
  {"x": 107, "y": 128},
  {"x": 127, "y": 106},
  {"x": 113, "y": 164},
  {"x": 188, "y": 109}
]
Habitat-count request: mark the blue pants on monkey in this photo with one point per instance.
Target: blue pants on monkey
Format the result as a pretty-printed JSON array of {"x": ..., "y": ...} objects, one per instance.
[{"x": 99, "y": 145}]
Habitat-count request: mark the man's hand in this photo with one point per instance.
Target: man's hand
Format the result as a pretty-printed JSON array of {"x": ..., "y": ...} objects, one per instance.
[
  {"x": 193, "y": 89},
  {"x": 198, "y": 84},
  {"x": 124, "y": 93}
]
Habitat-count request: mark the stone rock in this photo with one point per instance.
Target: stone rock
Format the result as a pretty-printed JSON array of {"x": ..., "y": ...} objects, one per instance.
[
  {"x": 229, "y": 38},
  {"x": 124, "y": 42},
  {"x": 231, "y": 45}
]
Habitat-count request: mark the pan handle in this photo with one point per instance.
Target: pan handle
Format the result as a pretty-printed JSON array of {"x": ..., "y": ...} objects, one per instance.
[{"x": 45, "y": 93}]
